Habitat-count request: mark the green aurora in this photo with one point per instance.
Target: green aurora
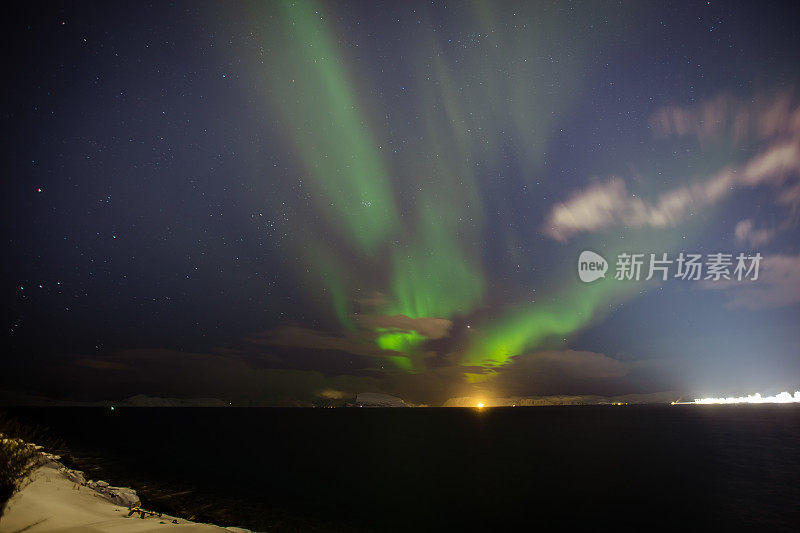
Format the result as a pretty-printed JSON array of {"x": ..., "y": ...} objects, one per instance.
[{"x": 427, "y": 237}]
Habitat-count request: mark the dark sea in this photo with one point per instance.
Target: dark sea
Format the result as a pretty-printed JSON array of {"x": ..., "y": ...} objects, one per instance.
[{"x": 638, "y": 468}]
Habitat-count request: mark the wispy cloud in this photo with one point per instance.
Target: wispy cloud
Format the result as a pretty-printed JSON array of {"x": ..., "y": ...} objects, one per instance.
[
  {"x": 299, "y": 337},
  {"x": 608, "y": 204},
  {"x": 727, "y": 117},
  {"x": 430, "y": 327},
  {"x": 746, "y": 233},
  {"x": 778, "y": 285}
]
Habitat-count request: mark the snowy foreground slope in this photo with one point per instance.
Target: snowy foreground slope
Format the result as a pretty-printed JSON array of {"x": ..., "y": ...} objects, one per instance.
[{"x": 55, "y": 500}]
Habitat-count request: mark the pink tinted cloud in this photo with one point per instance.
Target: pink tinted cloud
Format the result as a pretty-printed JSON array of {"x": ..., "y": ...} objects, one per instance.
[{"x": 609, "y": 204}]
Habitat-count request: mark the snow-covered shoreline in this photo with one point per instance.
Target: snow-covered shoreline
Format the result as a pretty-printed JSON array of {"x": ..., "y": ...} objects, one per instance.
[{"x": 58, "y": 499}]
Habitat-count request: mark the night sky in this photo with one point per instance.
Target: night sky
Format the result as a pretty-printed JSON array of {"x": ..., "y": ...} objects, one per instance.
[{"x": 272, "y": 203}]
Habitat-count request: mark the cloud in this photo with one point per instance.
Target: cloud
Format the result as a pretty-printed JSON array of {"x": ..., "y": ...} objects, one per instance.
[
  {"x": 332, "y": 394},
  {"x": 241, "y": 378},
  {"x": 745, "y": 233},
  {"x": 557, "y": 372},
  {"x": 727, "y": 117},
  {"x": 774, "y": 166},
  {"x": 236, "y": 377},
  {"x": 705, "y": 121},
  {"x": 576, "y": 364},
  {"x": 164, "y": 372},
  {"x": 608, "y": 204},
  {"x": 778, "y": 285},
  {"x": 374, "y": 299},
  {"x": 299, "y": 337},
  {"x": 430, "y": 327}
]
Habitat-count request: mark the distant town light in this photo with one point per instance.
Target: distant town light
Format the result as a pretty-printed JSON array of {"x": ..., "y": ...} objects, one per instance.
[{"x": 783, "y": 397}]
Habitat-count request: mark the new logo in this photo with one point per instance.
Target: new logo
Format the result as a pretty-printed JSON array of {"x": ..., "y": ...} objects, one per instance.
[{"x": 591, "y": 266}]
